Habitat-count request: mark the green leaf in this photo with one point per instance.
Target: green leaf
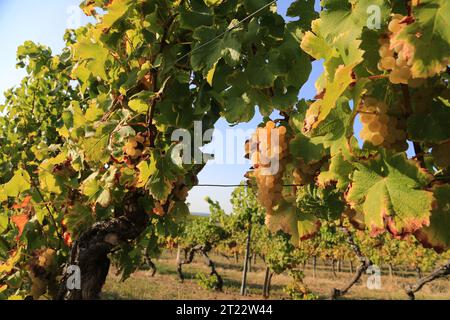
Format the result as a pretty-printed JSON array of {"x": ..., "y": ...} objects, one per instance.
[
  {"x": 308, "y": 225},
  {"x": 19, "y": 183},
  {"x": 91, "y": 186},
  {"x": 159, "y": 186},
  {"x": 347, "y": 18},
  {"x": 334, "y": 130},
  {"x": 308, "y": 149},
  {"x": 431, "y": 127},
  {"x": 429, "y": 37},
  {"x": 305, "y": 10},
  {"x": 93, "y": 57},
  {"x": 116, "y": 10},
  {"x": 179, "y": 211},
  {"x": 204, "y": 57},
  {"x": 339, "y": 172},
  {"x": 437, "y": 235},
  {"x": 390, "y": 191}
]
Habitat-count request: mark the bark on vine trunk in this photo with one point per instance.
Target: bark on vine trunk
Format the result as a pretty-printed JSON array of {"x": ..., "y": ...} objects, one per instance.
[
  {"x": 365, "y": 263},
  {"x": 391, "y": 270},
  {"x": 440, "y": 272},
  {"x": 333, "y": 267},
  {"x": 151, "y": 265},
  {"x": 214, "y": 272},
  {"x": 246, "y": 262},
  {"x": 90, "y": 251},
  {"x": 266, "y": 283},
  {"x": 314, "y": 267},
  {"x": 189, "y": 254}
]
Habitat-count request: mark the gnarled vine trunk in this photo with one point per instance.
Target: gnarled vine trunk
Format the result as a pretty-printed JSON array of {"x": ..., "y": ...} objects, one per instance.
[
  {"x": 440, "y": 272},
  {"x": 365, "y": 263},
  {"x": 90, "y": 251}
]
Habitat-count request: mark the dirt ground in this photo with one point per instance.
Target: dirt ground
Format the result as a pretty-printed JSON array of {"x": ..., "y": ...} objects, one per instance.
[{"x": 166, "y": 286}]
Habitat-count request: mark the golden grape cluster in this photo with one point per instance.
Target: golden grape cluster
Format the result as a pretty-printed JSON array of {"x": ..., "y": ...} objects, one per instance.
[
  {"x": 135, "y": 146},
  {"x": 396, "y": 56},
  {"x": 381, "y": 129},
  {"x": 268, "y": 150},
  {"x": 44, "y": 260},
  {"x": 441, "y": 155}
]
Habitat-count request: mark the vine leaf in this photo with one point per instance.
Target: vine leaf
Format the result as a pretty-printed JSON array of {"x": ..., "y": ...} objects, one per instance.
[
  {"x": 436, "y": 235},
  {"x": 321, "y": 108},
  {"x": 303, "y": 9},
  {"x": 8, "y": 266},
  {"x": 159, "y": 186},
  {"x": 334, "y": 130},
  {"x": 429, "y": 30},
  {"x": 116, "y": 10},
  {"x": 20, "y": 221},
  {"x": 84, "y": 51},
  {"x": 19, "y": 183},
  {"x": 432, "y": 127},
  {"x": 349, "y": 17},
  {"x": 389, "y": 190},
  {"x": 339, "y": 172},
  {"x": 287, "y": 219},
  {"x": 146, "y": 170},
  {"x": 228, "y": 47},
  {"x": 4, "y": 221},
  {"x": 308, "y": 149}
]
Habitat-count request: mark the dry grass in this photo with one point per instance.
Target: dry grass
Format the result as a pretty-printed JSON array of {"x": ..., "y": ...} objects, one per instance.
[{"x": 166, "y": 286}]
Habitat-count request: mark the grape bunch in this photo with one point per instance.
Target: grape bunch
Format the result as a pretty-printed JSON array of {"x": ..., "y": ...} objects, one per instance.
[
  {"x": 135, "y": 146},
  {"x": 380, "y": 128},
  {"x": 441, "y": 154},
  {"x": 396, "y": 56},
  {"x": 41, "y": 265},
  {"x": 268, "y": 150}
]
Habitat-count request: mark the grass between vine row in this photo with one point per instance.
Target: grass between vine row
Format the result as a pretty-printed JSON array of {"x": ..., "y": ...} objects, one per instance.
[{"x": 166, "y": 286}]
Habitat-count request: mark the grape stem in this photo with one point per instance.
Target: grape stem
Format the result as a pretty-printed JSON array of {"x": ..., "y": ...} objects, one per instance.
[{"x": 408, "y": 110}]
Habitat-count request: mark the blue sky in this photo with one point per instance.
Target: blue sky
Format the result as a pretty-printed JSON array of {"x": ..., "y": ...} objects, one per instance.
[{"x": 45, "y": 22}]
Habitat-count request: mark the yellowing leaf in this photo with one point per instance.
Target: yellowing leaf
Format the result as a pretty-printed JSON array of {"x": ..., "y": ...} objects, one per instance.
[
  {"x": 11, "y": 262},
  {"x": 138, "y": 105},
  {"x": 19, "y": 183},
  {"x": 210, "y": 76},
  {"x": 212, "y": 3},
  {"x": 320, "y": 109},
  {"x": 104, "y": 199},
  {"x": 91, "y": 186},
  {"x": 146, "y": 170},
  {"x": 390, "y": 191},
  {"x": 116, "y": 10},
  {"x": 315, "y": 46}
]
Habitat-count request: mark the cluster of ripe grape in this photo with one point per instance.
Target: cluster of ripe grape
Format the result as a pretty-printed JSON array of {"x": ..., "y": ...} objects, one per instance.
[
  {"x": 441, "y": 155},
  {"x": 380, "y": 128},
  {"x": 396, "y": 56},
  {"x": 135, "y": 146},
  {"x": 40, "y": 267},
  {"x": 268, "y": 150}
]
